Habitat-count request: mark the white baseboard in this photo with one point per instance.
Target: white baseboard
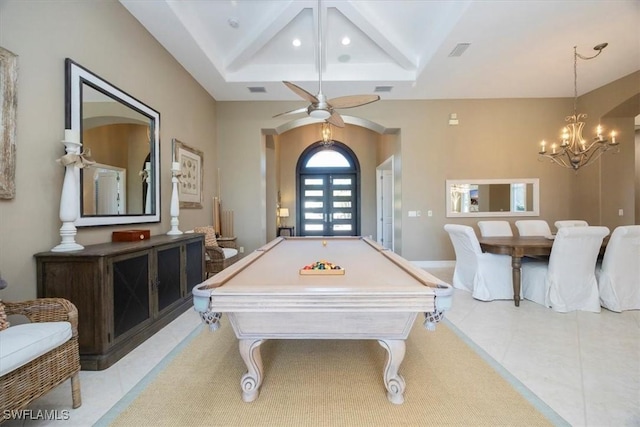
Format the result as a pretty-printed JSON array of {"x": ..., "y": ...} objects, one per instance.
[{"x": 434, "y": 264}]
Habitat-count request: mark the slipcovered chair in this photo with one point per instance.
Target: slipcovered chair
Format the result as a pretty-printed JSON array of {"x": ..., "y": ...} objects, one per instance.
[
  {"x": 619, "y": 275},
  {"x": 570, "y": 223},
  {"x": 495, "y": 228},
  {"x": 533, "y": 227},
  {"x": 568, "y": 281},
  {"x": 486, "y": 276},
  {"x": 218, "y": 255}
]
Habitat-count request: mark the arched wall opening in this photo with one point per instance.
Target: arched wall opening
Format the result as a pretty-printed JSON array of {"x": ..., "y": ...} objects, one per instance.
[{"x": 371, "y": 142}]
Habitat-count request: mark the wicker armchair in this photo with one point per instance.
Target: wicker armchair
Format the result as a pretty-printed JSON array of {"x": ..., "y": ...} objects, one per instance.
[
  {"x": 215, "y": 260},
  {"x": 28, "y": 382}
]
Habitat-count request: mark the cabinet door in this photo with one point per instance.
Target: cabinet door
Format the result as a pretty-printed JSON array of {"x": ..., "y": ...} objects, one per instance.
[
  {"x": 195, "y": 262},
  {"x": 130, "y": 292},
  {"x": 168, "y": 283}
]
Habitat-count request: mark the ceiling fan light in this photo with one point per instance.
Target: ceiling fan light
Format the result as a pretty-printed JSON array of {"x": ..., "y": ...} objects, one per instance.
[{"x": 320, "y": 114}]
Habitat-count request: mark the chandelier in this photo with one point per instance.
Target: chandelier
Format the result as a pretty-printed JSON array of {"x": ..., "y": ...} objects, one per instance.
[
  {"x": 326, "y": 135},
  {"x": 574, "y": 151}
]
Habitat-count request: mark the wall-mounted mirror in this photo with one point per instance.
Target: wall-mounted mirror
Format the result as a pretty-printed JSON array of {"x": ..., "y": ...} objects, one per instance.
[
  {"x": 123, "y": 135},
  {"x": 493, "y": 197}
]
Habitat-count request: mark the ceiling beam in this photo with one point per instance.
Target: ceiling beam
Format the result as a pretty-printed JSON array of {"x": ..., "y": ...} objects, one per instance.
[
  {"x": 262, "y": 35},
  {"x": 390, "y": 43}
]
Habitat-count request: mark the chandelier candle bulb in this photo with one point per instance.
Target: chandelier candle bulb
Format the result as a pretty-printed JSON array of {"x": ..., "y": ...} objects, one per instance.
[{"x": 543, "y": 147}]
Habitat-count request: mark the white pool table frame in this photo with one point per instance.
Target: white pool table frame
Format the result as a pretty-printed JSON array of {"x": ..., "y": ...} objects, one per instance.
[{"x": 331, "y": 312}]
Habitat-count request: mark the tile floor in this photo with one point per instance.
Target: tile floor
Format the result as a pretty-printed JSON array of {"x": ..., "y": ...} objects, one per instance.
[{"x": 585, "y": 366}]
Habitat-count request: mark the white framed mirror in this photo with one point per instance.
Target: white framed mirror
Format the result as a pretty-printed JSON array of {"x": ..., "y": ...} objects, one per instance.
[
  {"x": 492, "y": 197},
  {"x": 122, "y": 133}
]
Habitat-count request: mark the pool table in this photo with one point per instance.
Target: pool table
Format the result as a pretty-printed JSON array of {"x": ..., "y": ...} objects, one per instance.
[{"x": 376, "y": 294}]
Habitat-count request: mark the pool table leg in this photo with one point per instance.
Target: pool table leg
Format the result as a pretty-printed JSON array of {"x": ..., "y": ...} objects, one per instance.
[
  {"x": 251, "y": 381},
  {"x": 392, "y": 380}
]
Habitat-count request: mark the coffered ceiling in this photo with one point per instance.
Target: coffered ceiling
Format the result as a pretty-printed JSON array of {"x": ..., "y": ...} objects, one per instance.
[{"x": 243, "y": 49}]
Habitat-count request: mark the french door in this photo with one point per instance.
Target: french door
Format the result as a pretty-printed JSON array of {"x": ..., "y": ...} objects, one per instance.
[{"x": 328, "y": 204}]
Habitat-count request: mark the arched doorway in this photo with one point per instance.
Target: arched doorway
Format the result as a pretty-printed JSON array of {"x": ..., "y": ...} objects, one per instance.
[{"x": 328, "y": 191}]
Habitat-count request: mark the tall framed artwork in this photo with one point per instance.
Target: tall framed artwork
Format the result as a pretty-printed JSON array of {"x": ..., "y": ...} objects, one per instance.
[
  {"x": 8, "y": 103},
  {"x": 191, "y": 174}
]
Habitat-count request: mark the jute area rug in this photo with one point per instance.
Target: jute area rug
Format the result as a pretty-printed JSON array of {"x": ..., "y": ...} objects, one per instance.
[{"x": 329, "y": 383}]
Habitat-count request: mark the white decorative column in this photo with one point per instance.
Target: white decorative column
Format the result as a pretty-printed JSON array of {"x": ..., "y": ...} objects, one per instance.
[
  {"x": 147, "y": 179},
  {"x": 69, "y": 199},
  {"x": 175, "y": 203}
]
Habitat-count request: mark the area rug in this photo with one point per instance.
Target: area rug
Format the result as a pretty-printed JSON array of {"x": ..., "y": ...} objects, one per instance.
[{"x": 330, "y": 383}]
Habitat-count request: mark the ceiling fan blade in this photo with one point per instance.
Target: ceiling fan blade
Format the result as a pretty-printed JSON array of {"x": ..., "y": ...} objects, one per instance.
[
  {"x": 336, "y": 120},
  {"x": 297, "y": 111},
  {"x": 301, "y": 93},
  {"x": 352, "y": 101}
]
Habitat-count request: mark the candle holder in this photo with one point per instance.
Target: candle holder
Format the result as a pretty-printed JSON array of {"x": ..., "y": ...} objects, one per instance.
[
  {"x": 147, "y": 180},
  {"x": 175, "y": 203},
  {"x": 69, "y": 200}
]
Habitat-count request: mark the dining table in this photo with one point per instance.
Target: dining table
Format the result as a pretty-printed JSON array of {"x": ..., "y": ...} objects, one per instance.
[{"x": 519, "y": 247}]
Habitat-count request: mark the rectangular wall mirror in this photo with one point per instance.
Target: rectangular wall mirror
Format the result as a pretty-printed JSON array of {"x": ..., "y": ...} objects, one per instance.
[
  {"x": 123, "y": 136},
  {"x": 492, "y": 197}
]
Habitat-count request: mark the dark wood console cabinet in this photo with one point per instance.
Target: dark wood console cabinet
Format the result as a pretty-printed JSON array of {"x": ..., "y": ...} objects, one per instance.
[{"x": 125, "y": 291}]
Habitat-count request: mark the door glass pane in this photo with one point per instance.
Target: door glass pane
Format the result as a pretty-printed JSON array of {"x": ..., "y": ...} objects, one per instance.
[
  {"x": 342, "y": 227},
  {"x": 313, "y": 215},
  {"x": 313, "y": 227},
  {"x": 342, "y": 181},
  {"x": 312, "y": 193},
  {"x": 341, "y": 215},
  {"x": 313, "y": 181},
  {"x": 341, "y": 193},
  {"x": 309, "y": 204},
  {"x": 341, "y": 204}
]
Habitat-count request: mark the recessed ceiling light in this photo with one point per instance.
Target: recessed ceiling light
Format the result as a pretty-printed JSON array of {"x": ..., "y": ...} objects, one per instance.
[
  {"x": 346, "y": 41},
  {"x": 233, "y": 22},
  {"x": 296, "y": 42}
]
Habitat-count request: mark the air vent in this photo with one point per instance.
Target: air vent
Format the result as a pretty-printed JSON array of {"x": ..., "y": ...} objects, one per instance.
[
  {"x": 257, "y": 89},
  {"x": 459, "y": 49},
  {"x": 383, "y": 89}
]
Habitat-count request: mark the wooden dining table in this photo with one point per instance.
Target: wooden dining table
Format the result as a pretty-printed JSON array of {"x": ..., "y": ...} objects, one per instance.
[{"x": 518, "y": 247}]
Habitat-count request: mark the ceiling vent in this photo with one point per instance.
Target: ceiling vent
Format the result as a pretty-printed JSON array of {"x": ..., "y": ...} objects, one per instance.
[
  {"x": 257, "y": 89},
  {"x": 459, "y": 49},
  {"x": 383, "y": 89}
]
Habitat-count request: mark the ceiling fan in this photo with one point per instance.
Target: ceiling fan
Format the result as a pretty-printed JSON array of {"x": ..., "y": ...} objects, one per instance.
[{"x": 320, "y": 107}]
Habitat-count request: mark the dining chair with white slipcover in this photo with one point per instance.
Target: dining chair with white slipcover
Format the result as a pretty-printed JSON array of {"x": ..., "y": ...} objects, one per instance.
[
  {"x": 568, "y": 281},
  {"x": 533, "y": 227},
  {"x": 486, "y": 276},
  {"x": 619, "y": 275},
  {"x": 495, "y": 228},
  {"x": 570, "y": 223}
]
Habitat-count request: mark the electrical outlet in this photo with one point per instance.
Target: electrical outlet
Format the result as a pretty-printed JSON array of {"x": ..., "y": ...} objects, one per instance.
[
  {"x": 429, "y": 213},
  {"x": 412, "y": 214},
  {"x": 620, "y": 212},
  {"x": 241, "y": 250}
]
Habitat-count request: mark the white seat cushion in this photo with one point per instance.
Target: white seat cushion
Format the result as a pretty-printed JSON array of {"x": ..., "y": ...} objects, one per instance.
[
  {"x": 229, "y": 252},
  {"x": 21, "y": 344}
]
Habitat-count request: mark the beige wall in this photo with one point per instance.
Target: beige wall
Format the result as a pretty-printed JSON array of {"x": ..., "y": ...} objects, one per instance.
[{"x": 103, "y": 37}]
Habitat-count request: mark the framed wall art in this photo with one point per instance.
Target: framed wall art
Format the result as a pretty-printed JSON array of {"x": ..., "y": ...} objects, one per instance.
[
  {"x": 8, "y": 103},
  {"x": 191, "y": 175}
]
